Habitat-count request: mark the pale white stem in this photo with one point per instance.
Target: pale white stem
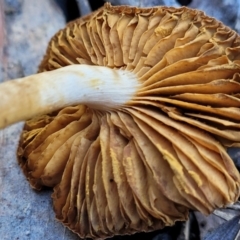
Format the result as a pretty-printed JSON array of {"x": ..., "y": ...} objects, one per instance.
[{"x": 98, "y": 87}]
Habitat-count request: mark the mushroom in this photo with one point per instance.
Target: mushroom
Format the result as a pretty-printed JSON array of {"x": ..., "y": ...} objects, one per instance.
[{"x": 130, "y": 116}]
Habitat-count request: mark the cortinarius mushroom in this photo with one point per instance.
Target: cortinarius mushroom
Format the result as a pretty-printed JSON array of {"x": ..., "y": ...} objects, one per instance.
[{"x": 133, "y": 145}]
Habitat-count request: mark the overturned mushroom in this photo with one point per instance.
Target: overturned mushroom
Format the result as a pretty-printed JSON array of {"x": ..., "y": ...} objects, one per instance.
[{"x": 134, "y": 132}]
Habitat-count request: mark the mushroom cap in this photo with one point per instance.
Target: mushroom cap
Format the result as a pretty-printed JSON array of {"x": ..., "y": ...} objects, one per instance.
[{"x": 143, "y": 166}]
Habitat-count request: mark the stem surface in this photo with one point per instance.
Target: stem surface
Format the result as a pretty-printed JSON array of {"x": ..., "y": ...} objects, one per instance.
[{"x": 98, "y": 87}]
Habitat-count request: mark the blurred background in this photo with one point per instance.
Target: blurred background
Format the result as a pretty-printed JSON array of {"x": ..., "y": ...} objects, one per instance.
[{"x": 26, "y": 26}]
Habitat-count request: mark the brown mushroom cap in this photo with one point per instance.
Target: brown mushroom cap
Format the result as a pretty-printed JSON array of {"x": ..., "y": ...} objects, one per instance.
[{"x": 143, "y": 166}]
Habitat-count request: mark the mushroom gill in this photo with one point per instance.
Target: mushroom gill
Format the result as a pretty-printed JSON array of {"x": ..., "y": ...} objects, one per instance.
[{"x": 143, "y": 165}]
